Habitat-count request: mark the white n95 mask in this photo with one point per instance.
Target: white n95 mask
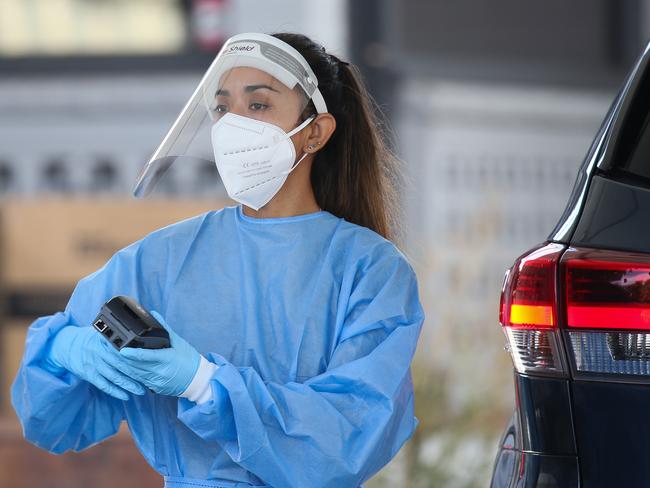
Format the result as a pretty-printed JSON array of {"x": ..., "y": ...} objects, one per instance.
[{"x": 253, "y": 157}]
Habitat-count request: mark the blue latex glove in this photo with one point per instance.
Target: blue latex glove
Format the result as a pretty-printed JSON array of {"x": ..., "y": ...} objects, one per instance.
[
  {"x": 86, "y": 354},
  {"x": 166, "y": 371}
]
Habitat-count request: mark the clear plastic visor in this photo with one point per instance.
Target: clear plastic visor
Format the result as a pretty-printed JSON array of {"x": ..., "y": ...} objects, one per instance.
[{"x": 241, "y": 84}]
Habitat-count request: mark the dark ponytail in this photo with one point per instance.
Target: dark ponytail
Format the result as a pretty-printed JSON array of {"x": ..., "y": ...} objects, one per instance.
[{"x": 355, "y": 175}]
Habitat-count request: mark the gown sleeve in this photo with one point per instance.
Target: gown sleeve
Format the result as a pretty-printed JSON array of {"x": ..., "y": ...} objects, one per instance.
[
  {"x": 338, "y": 428},
  {"x": 57, "y": 410}
]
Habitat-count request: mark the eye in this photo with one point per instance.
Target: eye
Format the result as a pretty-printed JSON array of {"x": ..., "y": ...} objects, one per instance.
[
  {"x": 255, "y": 107},
  {"x": 221, "y": 109}
]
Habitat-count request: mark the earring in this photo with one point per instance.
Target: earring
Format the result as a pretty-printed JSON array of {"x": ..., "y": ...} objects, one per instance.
[{"x": 312, "y": 146}]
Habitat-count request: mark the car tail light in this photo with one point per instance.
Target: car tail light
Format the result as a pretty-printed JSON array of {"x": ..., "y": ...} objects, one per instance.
[
  {"x": 607, "y": 300},
  {"x": 529, "y": 311}
]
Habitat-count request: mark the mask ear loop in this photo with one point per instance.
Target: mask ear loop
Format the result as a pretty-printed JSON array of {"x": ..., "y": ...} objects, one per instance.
[
  {"x": 293, "y": 132},
  {"x": 308, "y": 121}
]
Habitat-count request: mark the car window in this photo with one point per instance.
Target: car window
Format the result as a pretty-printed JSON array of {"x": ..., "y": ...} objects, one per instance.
[
  {"x": 638, "y": 161},
  {"x": 632, "y": 149}
]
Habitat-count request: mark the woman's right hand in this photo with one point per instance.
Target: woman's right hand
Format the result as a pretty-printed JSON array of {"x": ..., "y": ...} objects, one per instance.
[{"x": 86, "y": 354}]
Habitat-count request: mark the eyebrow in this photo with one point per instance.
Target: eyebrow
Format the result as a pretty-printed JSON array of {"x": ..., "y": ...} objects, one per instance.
[{"x": 247, "y": 89}]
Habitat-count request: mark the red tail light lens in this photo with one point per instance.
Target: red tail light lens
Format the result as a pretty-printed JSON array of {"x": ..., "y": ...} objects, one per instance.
[
  {"x": 529, "y": 311},
  {"x": 607, "y": 290},
  {"x": 529, "y": 296},
  {"x": 607, "y": 296}
]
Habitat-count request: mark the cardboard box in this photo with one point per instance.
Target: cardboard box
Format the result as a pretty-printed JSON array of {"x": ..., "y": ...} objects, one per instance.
[{"x": 54, "y": 243}]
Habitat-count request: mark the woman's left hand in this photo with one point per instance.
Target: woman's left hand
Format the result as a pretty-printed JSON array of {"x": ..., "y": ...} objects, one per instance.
[{"x": 166, "y": 371}]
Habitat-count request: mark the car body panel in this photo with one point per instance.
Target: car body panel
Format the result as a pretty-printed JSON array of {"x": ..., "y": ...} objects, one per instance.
[{"x": 613, "y": 433}]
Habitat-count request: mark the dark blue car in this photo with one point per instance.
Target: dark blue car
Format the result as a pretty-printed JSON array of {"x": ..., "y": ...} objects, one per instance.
[{"x": 576, "y": 314}]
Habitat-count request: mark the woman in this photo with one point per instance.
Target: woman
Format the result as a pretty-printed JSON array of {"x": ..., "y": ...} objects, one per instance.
[{"x": 293, "y": 319}]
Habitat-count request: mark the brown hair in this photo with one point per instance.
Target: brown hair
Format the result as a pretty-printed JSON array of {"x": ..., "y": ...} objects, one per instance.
[{"x": 355, "y": 175}]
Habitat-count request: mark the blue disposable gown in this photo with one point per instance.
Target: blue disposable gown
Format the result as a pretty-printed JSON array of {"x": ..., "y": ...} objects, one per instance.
[{"x": 313, "y": 322}]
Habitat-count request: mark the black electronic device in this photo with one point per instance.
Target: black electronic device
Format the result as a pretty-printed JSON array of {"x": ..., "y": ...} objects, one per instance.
[{"x": 125, "y": 323}]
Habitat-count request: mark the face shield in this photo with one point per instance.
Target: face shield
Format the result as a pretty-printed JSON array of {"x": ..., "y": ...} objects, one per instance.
[{"x": 255, "y": 76}]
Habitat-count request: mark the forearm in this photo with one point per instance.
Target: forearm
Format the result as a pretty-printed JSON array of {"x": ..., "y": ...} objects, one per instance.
[
  {"x": 280, "y": 432},
  {"x": 52, "y": 403}
]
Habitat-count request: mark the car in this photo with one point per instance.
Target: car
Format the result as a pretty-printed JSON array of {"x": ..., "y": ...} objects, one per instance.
[{"x": 575, "y": 311}]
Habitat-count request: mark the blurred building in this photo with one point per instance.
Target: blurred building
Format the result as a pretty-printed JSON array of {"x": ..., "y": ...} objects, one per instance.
[
  {"x": 88, "y": 89},
  {"x": 494, "y": 106}
]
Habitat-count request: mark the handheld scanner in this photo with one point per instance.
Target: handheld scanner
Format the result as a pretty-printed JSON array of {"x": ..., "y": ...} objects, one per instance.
[{"x": 125, "y": 323}]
